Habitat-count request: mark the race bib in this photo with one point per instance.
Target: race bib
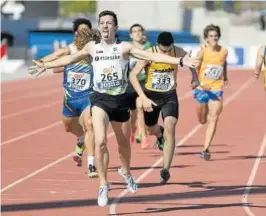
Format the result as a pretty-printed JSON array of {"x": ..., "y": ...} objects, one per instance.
[
  {"x": 109, "y": 80},
  {"x": 213, "y": 72},
  {"x": 162, "y": 81},
  {"x": 78, "y": 81}
]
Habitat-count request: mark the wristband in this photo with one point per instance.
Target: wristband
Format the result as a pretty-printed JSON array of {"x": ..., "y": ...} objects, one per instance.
[
  {"x": 181, "y": 62},
  {"x": 195, "y": 79},
  {"x": 46, "y": 65},
  {"x": 195, "y": 76}
]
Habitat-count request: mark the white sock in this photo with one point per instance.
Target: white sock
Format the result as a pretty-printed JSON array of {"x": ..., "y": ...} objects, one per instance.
[
  {"x": 91, "y": 160},
  {"x": 81, "y": 139}
]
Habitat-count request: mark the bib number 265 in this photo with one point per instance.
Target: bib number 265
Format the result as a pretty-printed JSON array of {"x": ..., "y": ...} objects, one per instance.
[{"x": 109, "y": 77}]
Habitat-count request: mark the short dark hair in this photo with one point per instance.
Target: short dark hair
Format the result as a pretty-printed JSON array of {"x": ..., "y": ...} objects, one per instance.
[
  {"x": 109, "y": 13},
  {"x": 165, "y": 39},
  {"x": 79, "y": 21},
  {"x": 209, "y": 28},
  {"x": 136, "y": 25}
]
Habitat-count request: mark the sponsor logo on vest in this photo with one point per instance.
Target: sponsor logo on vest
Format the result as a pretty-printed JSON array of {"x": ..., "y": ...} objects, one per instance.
[
  {"x": 103, "y": 58},
  {"x": 164, "y": 70}
]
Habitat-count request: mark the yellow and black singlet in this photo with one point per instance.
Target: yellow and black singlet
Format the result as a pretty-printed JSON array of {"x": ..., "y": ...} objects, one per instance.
[{"x": 161, "y": 77}]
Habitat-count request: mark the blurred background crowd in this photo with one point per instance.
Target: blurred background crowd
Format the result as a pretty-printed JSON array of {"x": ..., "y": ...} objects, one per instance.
[{"x": 32, "y": 29}]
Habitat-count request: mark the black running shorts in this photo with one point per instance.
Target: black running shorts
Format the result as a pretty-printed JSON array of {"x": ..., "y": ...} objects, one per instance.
[
  {"x": 116, "y": 107},
  {"x": 133, "y": 95},
  {"x": 167, "y": 103}
]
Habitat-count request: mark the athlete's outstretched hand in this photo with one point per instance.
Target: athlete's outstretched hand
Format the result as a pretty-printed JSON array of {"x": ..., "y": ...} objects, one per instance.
[
  {"x": 190, "y": 62},
  {"x": 37, "y": 69},
  {"x": 147, "y": 104}
]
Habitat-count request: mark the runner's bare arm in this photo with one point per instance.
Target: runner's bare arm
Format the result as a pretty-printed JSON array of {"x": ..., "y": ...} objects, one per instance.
[
  {"x": 51, "y": 57},
  {"x": 55, "y": 55},
  {"x": 141, "y": 64},
  {"x": 180, "y": 52},
  {"x": 200, "y": 58},
  {"x": 68, "y": 59},
  {"x": 146, "y": 102},
  {"x": 225, "y": 67},
  {"x": 128, "y": 48},
  {"x": 58, "y": 70},
  {"x": 259, "y": 62}
]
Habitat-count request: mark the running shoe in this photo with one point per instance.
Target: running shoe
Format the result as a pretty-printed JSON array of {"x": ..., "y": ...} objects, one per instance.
[
  {"x": 131, "y": 184},
  {"x": 164, "y": 176},
  {"x": 92, "y": 173},
  {"x": 103, "y": 196},
  {"x": 206, "y": 155},
  {"x": 80, "y": 147}
]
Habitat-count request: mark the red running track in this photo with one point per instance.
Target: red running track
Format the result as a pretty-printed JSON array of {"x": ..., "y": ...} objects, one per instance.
[{"x": 39, "y": 177}]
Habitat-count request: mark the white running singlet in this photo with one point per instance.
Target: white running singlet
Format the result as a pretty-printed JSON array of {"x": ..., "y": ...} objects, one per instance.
[{"x": 110, "y": 69}]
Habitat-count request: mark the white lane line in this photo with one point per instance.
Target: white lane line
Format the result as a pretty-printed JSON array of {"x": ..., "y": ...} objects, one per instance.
[
  {"x": 41, "y": 169},
  {"x": 252, "y": 177},
  {"x": 32, "y": 95},
  {"x": 31, "y": 109},
  {"x": 32, "y": 133},
  {"x": 186, "y": 95},
  {"x": 181, "y": 142}
]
